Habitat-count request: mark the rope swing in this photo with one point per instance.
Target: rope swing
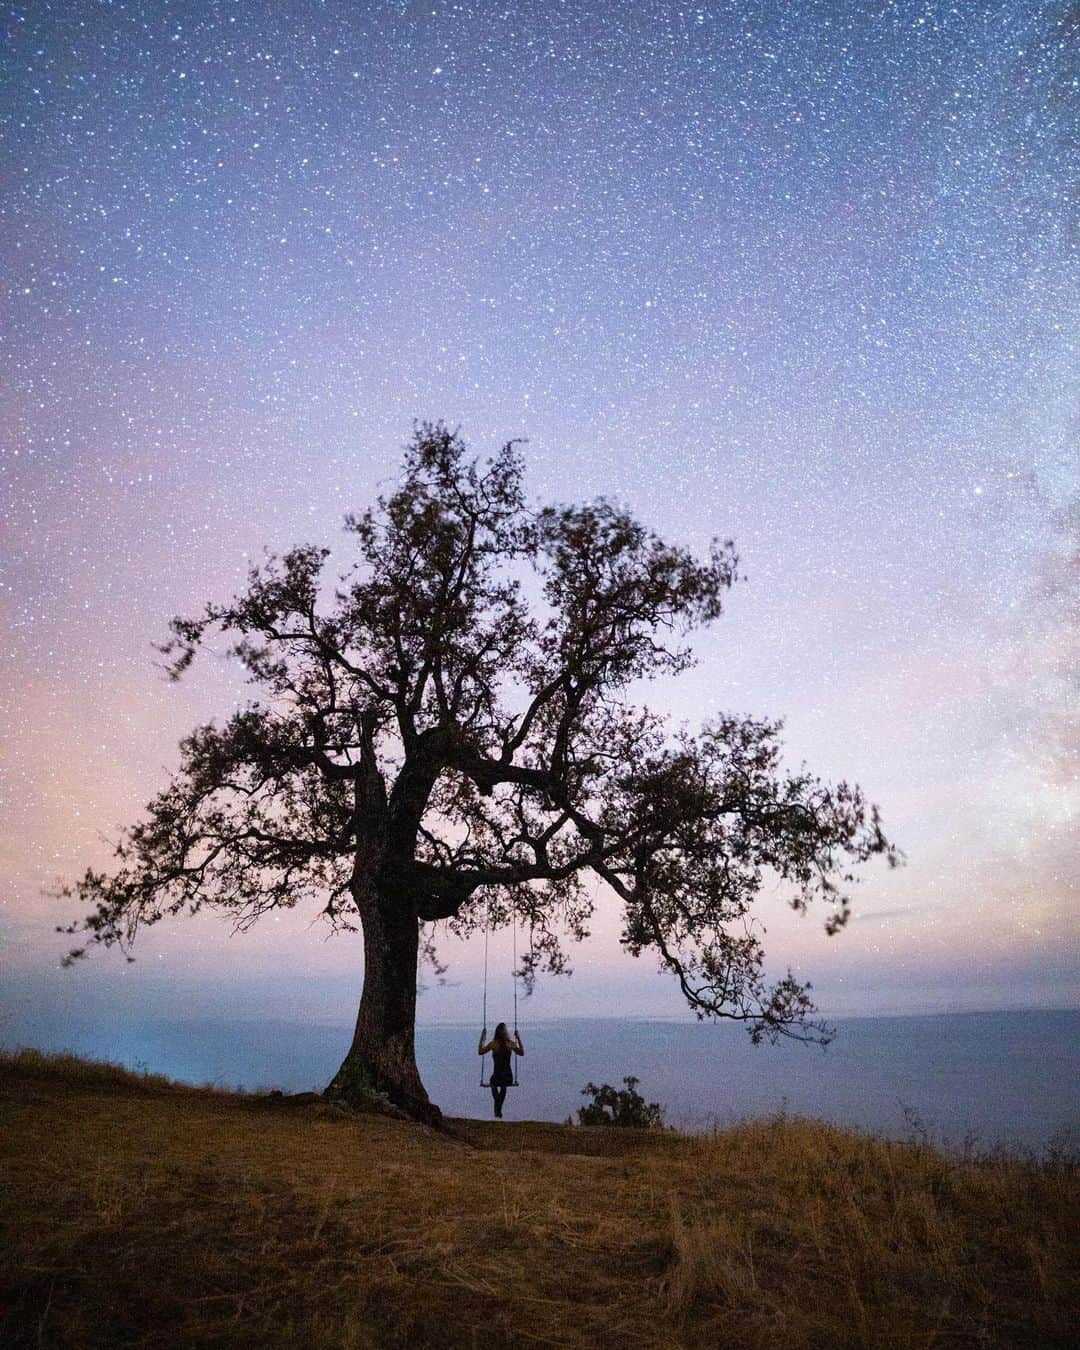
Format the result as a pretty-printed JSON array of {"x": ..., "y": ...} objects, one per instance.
[{"x": 484, "y": 1080}]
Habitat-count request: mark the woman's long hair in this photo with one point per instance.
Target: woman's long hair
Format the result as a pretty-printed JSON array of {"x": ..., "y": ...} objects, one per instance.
[{"x": 501, "y": 1033}]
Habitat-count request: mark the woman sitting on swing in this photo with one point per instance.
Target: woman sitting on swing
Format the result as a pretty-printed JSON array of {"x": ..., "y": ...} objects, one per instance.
[{"x": 502, "y": 1046}]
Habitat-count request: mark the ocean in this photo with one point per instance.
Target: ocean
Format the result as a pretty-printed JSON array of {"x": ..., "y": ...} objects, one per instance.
[{"x": 990, "y": 1080}]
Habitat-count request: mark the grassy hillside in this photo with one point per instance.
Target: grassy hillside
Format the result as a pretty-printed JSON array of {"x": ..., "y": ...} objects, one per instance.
[{"x": 134, "y": 1211}]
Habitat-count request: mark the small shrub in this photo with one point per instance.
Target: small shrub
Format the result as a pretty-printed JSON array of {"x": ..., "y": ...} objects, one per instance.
[{"x": 615, "y": 1106}]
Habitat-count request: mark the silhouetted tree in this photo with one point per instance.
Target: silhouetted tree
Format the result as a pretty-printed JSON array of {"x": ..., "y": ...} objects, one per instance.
[
  {"x": 624, "y": 1107},
  {"x": 445, "y": 735}
]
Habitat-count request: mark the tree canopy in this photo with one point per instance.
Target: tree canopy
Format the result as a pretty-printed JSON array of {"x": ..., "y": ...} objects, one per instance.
[{"x": 446, "y": 733}]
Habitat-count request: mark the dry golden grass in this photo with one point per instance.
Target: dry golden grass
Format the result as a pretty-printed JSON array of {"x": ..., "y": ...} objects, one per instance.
[{"x": 139, "y": 1212}]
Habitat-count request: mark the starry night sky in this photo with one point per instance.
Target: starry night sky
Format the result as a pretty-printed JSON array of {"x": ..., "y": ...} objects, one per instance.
[{"x": 799, "y": 273}]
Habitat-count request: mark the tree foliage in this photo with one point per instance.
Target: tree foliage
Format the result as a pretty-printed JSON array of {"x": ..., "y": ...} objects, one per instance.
[
  {"x": 446, "y": 731},
  {"x": 620, "y": 1106}
]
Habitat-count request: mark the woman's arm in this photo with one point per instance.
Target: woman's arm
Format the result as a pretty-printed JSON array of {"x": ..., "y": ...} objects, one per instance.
[
  {"x": 482, "y": 1049},
  {"x": 520, "y": 1046}
]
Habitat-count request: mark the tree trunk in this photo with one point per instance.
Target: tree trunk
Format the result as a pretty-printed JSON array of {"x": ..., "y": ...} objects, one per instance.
[{"x": 382, "y": 1057}]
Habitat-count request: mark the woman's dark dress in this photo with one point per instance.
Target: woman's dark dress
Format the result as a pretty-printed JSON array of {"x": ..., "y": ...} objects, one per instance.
[{"x": 502, "y": 1075}]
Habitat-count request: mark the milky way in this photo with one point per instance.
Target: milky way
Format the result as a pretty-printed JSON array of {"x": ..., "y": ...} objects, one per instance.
[{"x": 797, "y": 273}]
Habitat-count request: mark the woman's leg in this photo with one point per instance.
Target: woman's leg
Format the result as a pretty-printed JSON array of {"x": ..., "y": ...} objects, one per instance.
[{"x": 499, "y": 1095}]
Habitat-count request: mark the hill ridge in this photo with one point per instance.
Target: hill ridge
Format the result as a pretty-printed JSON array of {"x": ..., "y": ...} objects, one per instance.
[{"x": 138, "y": 1211}]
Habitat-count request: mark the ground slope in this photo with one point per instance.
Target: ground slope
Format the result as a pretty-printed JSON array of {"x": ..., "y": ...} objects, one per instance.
[{"x": 138, "y": 1212}]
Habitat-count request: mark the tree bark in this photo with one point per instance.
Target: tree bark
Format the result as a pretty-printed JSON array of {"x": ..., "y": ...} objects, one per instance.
[{"x": 382, "y": 1057}]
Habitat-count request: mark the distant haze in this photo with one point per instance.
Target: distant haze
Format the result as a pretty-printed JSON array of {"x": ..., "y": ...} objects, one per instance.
[{"x": 996, "y": 1078}]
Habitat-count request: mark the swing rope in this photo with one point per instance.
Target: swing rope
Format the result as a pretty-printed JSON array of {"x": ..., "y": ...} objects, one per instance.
[
  {"x": 483, "y": 1023},
  {"x": 514, "y": 973}
]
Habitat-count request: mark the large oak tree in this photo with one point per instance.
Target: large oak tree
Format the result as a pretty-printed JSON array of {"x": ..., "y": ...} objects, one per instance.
[{"x": 445, "y": 734}]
